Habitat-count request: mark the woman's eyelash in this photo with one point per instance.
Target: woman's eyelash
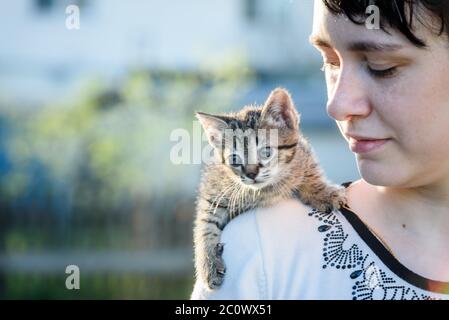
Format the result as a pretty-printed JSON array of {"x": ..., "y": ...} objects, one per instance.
[
  {"x": 382, "y": 73},
  {"x": 386, "y": 73}
]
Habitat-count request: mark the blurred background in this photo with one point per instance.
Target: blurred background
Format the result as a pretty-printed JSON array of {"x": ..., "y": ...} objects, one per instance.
[{"x": 86, "y": 117}]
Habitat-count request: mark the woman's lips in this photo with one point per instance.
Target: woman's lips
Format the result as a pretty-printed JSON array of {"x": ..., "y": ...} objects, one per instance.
[{"x": 365, "y": 146}]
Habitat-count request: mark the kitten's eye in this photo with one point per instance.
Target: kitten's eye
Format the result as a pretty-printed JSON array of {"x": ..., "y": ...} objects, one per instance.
[
  {"x": 235, "y": 160},
  {"x": 265, "y": 153}
]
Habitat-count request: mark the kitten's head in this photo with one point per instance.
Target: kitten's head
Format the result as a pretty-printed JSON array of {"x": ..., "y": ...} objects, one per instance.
[{"x": 257, "y": 143}]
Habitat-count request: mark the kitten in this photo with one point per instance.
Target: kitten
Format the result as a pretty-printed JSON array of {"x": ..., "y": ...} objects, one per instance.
[{"x": 254, "y": 170}]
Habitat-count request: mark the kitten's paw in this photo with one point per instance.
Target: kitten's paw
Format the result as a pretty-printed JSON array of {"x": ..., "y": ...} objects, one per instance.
[
  {"x": 217, "y": 269},
  {"x": 334, "y": 201},
  {"x": 219, "y": 249}
]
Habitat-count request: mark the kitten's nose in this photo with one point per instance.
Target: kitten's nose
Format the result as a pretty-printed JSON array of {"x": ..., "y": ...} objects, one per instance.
[{"x": 251, "y": 171}]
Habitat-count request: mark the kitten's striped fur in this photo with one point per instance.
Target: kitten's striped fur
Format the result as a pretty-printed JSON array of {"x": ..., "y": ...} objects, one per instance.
[{"x": 227, "y": 190}]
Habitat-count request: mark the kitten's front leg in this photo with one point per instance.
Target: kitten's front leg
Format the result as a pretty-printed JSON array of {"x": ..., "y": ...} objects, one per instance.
[
  {"x": 209, "y": 263},
  {"x": 331, "y": 198},
  {"x": 321, "y": 195}
]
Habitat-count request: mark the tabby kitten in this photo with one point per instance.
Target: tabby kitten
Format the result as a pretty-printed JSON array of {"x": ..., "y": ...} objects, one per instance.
[{"x": 254, "y": 170}]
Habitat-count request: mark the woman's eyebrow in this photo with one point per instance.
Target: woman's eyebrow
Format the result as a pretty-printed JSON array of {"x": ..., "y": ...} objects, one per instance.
[
  {"x": 370, "y": 46},
  {"x": 358, "y": 46}
]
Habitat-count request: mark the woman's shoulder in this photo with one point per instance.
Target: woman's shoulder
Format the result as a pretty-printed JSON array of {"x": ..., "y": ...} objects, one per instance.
[
  {"x": 261, "y": 246},
  {"x": 278, "y": 215},
  {"x": 287, "y": 220}
]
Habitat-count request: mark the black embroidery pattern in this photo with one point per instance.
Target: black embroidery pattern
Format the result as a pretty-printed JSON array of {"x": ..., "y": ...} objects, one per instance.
[{"x": 370, "y": 282}]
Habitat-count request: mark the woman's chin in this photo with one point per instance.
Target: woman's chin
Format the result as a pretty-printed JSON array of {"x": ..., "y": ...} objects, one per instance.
[{"x": 382, "y": 175}]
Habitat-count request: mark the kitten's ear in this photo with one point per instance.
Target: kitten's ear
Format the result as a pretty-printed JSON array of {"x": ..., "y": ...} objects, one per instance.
[
  {"x": 279, "y": 110},
  {"x": 214, "y": 126}
]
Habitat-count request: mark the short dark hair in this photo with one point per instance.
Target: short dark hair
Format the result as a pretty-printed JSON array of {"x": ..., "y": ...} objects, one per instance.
[{"x": 397, "y": 14}]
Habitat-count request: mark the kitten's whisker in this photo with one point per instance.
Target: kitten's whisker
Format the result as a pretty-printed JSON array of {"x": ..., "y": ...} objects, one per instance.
[
  {"x": 281, "y": 189},
  {"x": 229, "y": 187},
  {"x": 219, "y": 197},
  {"x": 231, "y": 201},
  {"x": 287, "y": 191},
  {"x": 225, "y": 190},
  {"x": 243, "y": 199},
  {"x": 238, "y": 200},
  {"x": 235, "y": 200}
]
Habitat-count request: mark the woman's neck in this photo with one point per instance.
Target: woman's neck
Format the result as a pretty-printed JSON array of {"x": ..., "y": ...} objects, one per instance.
[
  {"x": 418, "y": 210},
  {"x": 410, "y": 222}
]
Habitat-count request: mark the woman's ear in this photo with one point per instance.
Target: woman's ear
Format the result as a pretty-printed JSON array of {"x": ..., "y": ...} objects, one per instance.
[
  {"x": 214, "y": 126},
  {"x": 279, "y": 110}
]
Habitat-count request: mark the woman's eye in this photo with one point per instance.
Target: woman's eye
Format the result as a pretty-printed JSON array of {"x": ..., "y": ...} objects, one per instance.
[
  {"x": 235, "y": 160},
  {"x": 266, "y": 153},
  {"x": 382, "y": 73}
]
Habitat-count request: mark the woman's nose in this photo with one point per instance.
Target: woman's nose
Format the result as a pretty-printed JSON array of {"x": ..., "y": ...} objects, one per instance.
[{"x": 349, "y": 96}]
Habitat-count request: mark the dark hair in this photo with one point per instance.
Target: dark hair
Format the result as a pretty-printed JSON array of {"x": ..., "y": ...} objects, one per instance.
[{"x": 398, "y": 14}]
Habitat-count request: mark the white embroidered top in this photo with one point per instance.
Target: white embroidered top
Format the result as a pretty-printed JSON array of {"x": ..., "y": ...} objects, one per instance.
[{"x": 289, "y": 253}]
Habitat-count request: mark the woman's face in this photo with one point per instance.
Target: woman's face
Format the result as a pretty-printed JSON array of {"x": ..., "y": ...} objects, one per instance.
[{"x": 389, "y": 98}]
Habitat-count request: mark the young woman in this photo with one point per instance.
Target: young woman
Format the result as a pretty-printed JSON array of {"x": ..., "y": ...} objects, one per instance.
[{"x": 388, "y": 91}]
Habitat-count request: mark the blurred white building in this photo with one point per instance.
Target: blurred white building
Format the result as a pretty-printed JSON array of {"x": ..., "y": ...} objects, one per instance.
[
  {"x": 42, "y": 60},
  {"x": 39, "y": 56}
]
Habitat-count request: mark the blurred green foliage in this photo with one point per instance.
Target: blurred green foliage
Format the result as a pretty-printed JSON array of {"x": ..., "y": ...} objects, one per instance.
[
  {"x": 94, "y": 172},
  {"x": 108, "y": 147},
  {"x": 98, "y": 286}
]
